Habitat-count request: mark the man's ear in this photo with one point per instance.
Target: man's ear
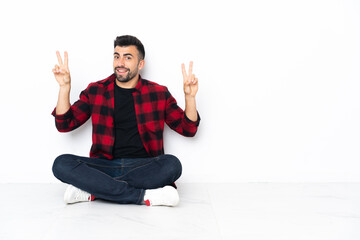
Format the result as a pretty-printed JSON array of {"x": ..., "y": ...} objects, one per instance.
[{"x": 141, "y": 64}]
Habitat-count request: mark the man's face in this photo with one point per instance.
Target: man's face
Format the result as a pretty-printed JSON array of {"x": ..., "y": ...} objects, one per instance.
[{"x": 127, "y": 63}]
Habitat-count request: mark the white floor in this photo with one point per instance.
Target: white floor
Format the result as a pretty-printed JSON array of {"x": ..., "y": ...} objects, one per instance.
[{"x": 207, "y": 211}]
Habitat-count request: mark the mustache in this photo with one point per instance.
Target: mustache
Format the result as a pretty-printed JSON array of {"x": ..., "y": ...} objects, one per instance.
[{"x": 128, "y": 69}]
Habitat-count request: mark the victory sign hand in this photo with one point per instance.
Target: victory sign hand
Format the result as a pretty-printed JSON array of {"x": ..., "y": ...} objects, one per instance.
[
  {"x": 190, "y": 81},
  {"x": 61, "y": 71}
]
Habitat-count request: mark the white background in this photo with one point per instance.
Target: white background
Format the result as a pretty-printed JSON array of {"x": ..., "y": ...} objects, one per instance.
[{"x": 279, "y": 83}]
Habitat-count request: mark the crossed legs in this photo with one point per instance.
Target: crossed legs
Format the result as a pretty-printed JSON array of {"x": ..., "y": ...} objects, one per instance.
[{"x": 120, "y": 180}]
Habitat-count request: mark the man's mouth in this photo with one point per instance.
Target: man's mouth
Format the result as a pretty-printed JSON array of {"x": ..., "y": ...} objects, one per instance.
[{"x": 121, "y": 70}]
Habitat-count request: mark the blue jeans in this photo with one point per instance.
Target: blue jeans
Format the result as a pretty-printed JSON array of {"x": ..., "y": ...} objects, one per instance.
[{"x": 120, "y": 180}]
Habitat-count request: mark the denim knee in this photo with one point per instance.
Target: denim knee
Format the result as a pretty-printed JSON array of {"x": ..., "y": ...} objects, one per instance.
[
  {"x": 62, "y": 165},
  {"x": 174, "y": 167}
]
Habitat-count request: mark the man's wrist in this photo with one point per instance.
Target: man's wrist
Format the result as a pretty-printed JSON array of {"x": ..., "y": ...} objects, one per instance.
[
  {"x": 189, "y": 97},
  {"x": 65, "y": 88},
  {"x": 190, "y": 108}
]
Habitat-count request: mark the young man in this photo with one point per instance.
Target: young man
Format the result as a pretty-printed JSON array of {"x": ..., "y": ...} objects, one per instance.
[{"x": 127, "y": 163}]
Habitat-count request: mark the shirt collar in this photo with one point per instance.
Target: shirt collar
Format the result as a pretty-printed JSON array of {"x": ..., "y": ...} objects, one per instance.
[{"x": 140, "y": 84}]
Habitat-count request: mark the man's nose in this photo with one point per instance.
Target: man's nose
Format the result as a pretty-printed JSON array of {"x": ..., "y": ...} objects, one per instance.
[{"x": 120, "y": 62}]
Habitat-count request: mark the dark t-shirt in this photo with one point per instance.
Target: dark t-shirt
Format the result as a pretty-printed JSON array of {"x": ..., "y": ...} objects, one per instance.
[{"x": 127, "y": 138}]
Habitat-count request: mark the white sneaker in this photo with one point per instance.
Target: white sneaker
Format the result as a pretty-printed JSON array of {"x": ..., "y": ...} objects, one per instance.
[
  {"x": 74, "y": 195},
  {"x": 165, "y": 196}
]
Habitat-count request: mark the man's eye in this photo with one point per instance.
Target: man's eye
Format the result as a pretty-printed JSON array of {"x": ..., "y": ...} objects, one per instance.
[{"x": 116, "y": 57}]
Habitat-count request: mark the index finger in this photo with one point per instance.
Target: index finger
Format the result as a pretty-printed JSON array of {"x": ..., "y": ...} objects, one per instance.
[
  {"x": 190, "y": 68},
  {"x": 59, "y": 58},
  {"x": 183, "y": 71},
  {"x": 66, "y": 58}
]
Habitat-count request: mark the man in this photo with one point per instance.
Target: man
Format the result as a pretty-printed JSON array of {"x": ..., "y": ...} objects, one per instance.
[{"x": 127, "y": 163}]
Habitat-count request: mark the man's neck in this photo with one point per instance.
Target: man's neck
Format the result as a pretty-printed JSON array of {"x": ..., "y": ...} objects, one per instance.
[{"x": 130, "y": 84}]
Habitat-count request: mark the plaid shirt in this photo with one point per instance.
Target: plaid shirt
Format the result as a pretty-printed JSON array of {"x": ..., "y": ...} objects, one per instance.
[{"x": 154, "y": 106}]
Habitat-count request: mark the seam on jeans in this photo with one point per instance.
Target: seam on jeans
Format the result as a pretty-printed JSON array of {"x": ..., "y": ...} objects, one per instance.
[
  {"x": 79, "y": 161},
  {"x": 135, "y": 169},
  {"x": 77, "y": 165},
  {"x": 140, "y": 162},
  {"x": 141, "y": 197},
  {"x": 98, "y": 165}
]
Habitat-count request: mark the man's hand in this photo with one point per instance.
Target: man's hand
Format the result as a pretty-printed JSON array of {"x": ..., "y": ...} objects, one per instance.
[
  {"x": 190, "y": 90},
  {"x": 61, "y": 71},
  {"x": 190, "y": 81},
  {"x": 62, "y": 75}
]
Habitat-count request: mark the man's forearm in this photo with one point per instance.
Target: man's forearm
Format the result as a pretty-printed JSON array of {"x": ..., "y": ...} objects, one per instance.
[
  {"x": 190, "y": 108},
  {"x": 63, "y": 104}
]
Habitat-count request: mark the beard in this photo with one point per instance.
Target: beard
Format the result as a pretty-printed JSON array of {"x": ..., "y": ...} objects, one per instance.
[{"x": 130, "y": 75}]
